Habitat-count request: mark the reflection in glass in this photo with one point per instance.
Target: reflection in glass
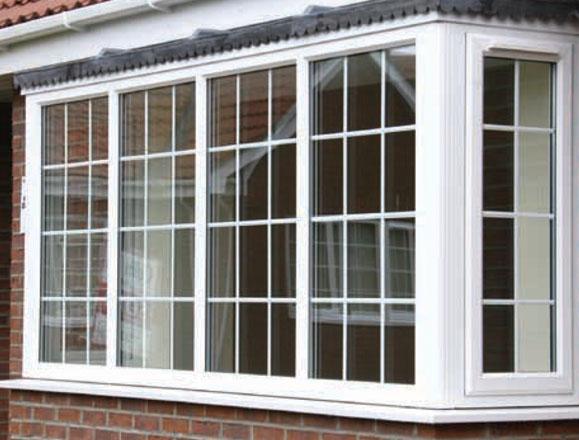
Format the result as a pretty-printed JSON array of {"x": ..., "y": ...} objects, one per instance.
[
  {"x": 51, "y": 326},
  {"x": 499, "y": 91},
  {"x": 283, "y": 261},
  {"x": 131, "y": 334},
  {"x": 498, "y": 171},
  {"x": 364, "y": 175},
  {"x": 76, "y": 265},
  {"x": 534, "y": 350},
  {"x": 223, "y": 115},
  {"x": 400, "y": 171},
  {"x": 53, "y": 141},
  {"x": 535, "y": 94},
  {"x": 498, "y": 258},
  {"x": 329, "y": 169},
  {"x": 185, "y": 189},
  {"x": 400, "y": 86},
  {"x": 133, "y": 124},
  {"x": 253, "y": 183},
  {"x": 133, "y": 193},
  {"x": 283, "y": 339},
  {"x": 498, "y": 339},
  {"x": 160, "y": 125},
  {"x": 328, "y": 92},
  {"x": 253, "y": 338},
  {"x": 253, "y": 258},
  {"x": 327, "y": 331},
  {"x": 283, "y": 90},
  {"x": 158, "y": 282},
  {"x": 185, "y": 117},
  {"x": 400, "y": 248},
  {"x": 364, "y": 90},
  {"x": 99, "y": 196},
  {"x": 100, "y": 128},
  {"x": 132, "y": 263},
  {"x": 158, "y": 335},
  {"x": 53, "y": 200},
  {"x": 328, "y": 260},
  {"x": 364, "y": 259},
  {"x": 399, "y": 343},
  {"x": 98, "y": 265},
  {"x": 76, "y": 333},
  {"x": 363, "y": 342},
  {"x": 534, "y": 258},
  {"x": 222, "y": 186},
  {"x": 77, "y": 198},
  {"x": 222, "y": 262},
  {"x": 283, "y": 181},
  {"x": 78, "y": 132},
  {"x": 159, "y": 191},
  {"x": 535, "y": 181},
  {"x": 183, "y": 335},
  {"x": 222, "y": 335},
  {"x": 184, "y": 262},
  {"x": 53, "y": 262},
  {"x": 98, "y": 333},
  {"x": 253, "y": 106}
]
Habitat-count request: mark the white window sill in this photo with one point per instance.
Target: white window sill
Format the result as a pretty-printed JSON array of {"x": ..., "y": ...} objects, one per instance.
[{"x": 379, "y": 412}]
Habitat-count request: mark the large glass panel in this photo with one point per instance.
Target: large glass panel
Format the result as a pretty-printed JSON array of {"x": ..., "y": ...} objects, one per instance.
[
  {"x": 78, "y": 131},
  {"x": 498, "y": 258},
  {"x": 222, "y": 337},
  {"x": 399, "y": 343},
  {"x": 364, "y": 91},
  {"x": 222, "y": 262},
  {"x": 364, "y": 259},
  {"x": 498, "y": 171},
  {"x": 364, "y": 342},
  {"x": 283, "y": 339},
  {"x": 253, "y": 106},
  {"x": 159, "y": 191},
  {"x": 328, "y": 260},
  {"x": 253, "y": 182},
  {"x": 133, "y": 127},
  {"x": 329, "y": 174},
  {"x": 223, "y": 111},
  {"x": 51, "y": 332},
  {"x": 159, "y": 118},
  {"x": 363, "y": 175},
  {"x": 283, "y": 181},
  {"x": 185, "y": 117},
  {"x": 223, "y": 186},
  {"x": 157, "y": 334},
  {"x": 184, "y": 262},
  {"x": 133, "y": 193},
  {"x": 185, "y": 189},
  {"x": 283, "y": 261},
  {"x": 400, "y": 180},
  {"x": 327, "y": 331},
  {"x": 77, "y": 198},
  {"x": 400, "y": 86},
  {"x": 535, "y": 94},
  {"x": 183, "y": 335},
  {"x": 253, "y": 338},
  {"x": 283, "y": 106},
  {"x": 499, "y": 91},
  {"x": 498, "y": 339},
  {"x": 159, "y": 263},
  {"x": 328, "y": 92},
  {"x": 534, "y": 185},
  {"x": 76, "y": 333}
]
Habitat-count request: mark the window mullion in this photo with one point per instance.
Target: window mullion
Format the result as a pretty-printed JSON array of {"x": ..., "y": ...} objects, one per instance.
[
  {"x": 302, "y": 212},
  {"x": 201, "y": 213},
  {"x": 113, "y": 224}
]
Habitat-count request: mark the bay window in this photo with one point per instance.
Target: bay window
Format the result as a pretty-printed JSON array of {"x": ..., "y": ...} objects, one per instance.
[{"x": 356, "y": 224}]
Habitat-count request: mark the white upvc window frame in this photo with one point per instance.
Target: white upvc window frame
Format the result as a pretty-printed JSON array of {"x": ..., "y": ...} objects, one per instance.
[
  {"x": 302, "y": 54},
  {"x": 560, "y": 54}
]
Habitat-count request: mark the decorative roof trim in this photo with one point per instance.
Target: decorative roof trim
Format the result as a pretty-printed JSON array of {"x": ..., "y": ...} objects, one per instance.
[{"x": 316, "y": 20}]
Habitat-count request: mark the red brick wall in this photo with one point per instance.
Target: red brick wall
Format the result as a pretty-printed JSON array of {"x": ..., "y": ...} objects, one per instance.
[{"x": 64, "y": 416}]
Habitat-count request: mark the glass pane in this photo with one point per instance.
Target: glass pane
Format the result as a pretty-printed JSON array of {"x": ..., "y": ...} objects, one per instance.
[
  {"x": 534, "y": 330},
  {"x": 253, "y": 260},
  {"x": 363, "y": 175},
  {"x": 78, "y": 134},
  {"x": 498, "y": 339},
  {"x": 99, "y": 196},
  {"x": 98, "y": 265},
  {"x": 159, "y": 191},
  {"x": 98, "y": 333},
  {"x": 53, "y": 200},
  {"x": 327, "y": 328},
  {"x": 283, "y": 103},
  {"x": 328, "y": 260},
  {"x": 77, "y": 198},
  {"x": 400, "y": 258},
  {"x": 184, "y": 262},
  {"x": 364, "y": 91},
  {"x": 131, "y": 331},
  {"x": 133, "y": 125},
  {"x": 158, "y": 332},
  {"x": 364, "y": 342},
  {"x": 223, "y": 186},
  {"x": 76, "y": 333},
  {"x": 100, "y": 128},
  {"x": 283, "y": 339},
  {"x": 133, "y": 193},
  {"x": 534, "y": 258},
  {"x": 499, "y": 91},
  {"x": 185, "y": 189},
  {"x": 329, "y": 96},
  {"x": 222, "y": 337},
  {"x": 498, "y": 171},
  {"x": 535, "y": 94},
  {"x": 498, "y": 258},
  {"x": 329, "y": 172},
  {"x": 400, "y": 171},
  {"x": 253, "y": 338},
  {"x": 364, "y": 259},
  {"x": 76, "y": 265},
  {"x": 53, "y": 262},
  {"x": 51, "y": 332},
  {"x": 183, "y": 336},
  {"x": 223, "y": 111},
  {"x": 283, "y": 181},
  {"x": 399, "y": 343},
  {"x": 535, "y": 186},
  {"x": 400, "y": 86},
  {"x": 283, "y": 261},
  {"x": 185, "y": 117},
  {"x": 253, "y": 106},
  {"x": 132, "y": 263},
  {"x": 222, "y": 264},
  {"x": 54, "y": 134},
  {"x": 160, "y": 121},
  {"x": 253, "y": 183},
  {"x": 158, "y": 263}
]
